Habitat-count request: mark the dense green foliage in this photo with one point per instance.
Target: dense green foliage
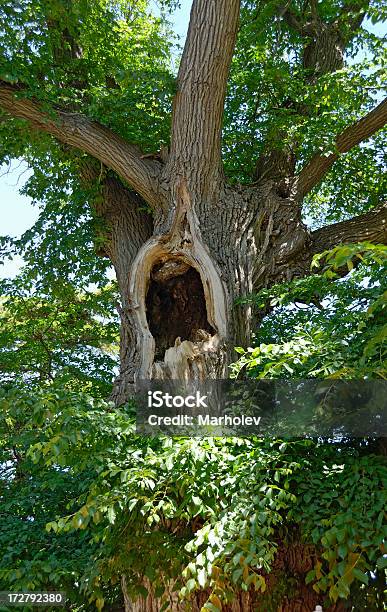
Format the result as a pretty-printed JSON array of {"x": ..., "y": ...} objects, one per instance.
[
  {"x": 274, "y": 100},
  {"x": 205, "y": 513},
  {"x": 63, "y": 335},
  {"x": 75, "y": 467},
  {"x": 322, "y": 327},
  {"x": 111, "y": 59},
  {"x": 117, "y": 72},
  {"x": 34, "y": 492}
]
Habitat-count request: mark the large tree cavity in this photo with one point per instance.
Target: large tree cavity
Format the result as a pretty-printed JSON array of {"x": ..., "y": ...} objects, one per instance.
[{"x": 176, "y": 305}]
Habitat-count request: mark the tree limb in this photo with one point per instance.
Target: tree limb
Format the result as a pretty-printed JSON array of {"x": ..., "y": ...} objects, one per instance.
[
  {"x": 370, "y": 227},
  {"x": 314, "y": 171},
  {"x": 89, "y": 136},
  {"x": 314, "y": 10},
  {"x": 290, "y": 18},
  {"x": 199, "y": 101},
  {"x": 290, "y": 254}
]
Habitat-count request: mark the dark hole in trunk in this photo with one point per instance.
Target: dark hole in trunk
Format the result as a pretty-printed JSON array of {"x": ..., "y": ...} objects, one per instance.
[{"x": 176, "y": 306}]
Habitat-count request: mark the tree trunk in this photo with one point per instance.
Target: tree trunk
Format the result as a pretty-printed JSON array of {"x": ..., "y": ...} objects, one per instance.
[
  {"x": 179, "y": 279},
  {"x": 207, "y": 243},
  {"x": 286, "y": 590},
  {"x": 179, "y": 274},
  {"x": 178, "y": 291}
]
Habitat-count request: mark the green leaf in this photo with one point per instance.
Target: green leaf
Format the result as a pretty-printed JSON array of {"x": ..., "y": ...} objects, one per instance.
[{"x": 360, "y": 575}]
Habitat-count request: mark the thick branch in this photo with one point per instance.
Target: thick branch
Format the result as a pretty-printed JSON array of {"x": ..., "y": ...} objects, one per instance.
[
  {"x": 314, "y": 10},
  {"x": 319, "y": 165},
  {"x": 370, "y": 227},
  {"x": 89, "y": 136},
  {"x": 290, "y": 253},
  {"x": 202, "y": 78}
]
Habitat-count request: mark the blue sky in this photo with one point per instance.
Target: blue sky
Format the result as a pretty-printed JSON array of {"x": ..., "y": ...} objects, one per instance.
[{"x": 16, "y": 211}]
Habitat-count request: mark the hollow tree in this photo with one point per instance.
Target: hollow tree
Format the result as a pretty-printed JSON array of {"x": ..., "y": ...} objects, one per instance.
[
  {"x": 184, "y": 240},
  {"x": 206, "y": 242}
]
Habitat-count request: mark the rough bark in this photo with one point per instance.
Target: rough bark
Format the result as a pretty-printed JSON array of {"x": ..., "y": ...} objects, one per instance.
[
  {"x": 128, "y": 227},
  {"x": 290, "y": 567},
  {"x": 199, "y": 101},
  {"x": 181, "y": 284},
  {"x": 188, "y": 240},
  {"x": 288, "y": 254},
  {"x": 370, "y": 227}
]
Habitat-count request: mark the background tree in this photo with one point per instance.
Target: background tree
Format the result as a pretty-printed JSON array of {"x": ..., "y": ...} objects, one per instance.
[{"x": 60, "y": 335}]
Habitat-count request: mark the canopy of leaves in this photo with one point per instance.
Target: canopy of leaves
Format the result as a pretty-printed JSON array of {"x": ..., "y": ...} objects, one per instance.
[
  {"x": 109, "y": 59},
  {"x": 276, "y": 98},
  {"x": 112, "y": 62},
  {"x": 63, "y": 335},
  {"x": 32, "y": 494}
]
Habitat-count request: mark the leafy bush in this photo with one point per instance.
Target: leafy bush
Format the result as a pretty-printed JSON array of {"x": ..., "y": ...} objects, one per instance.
[{"x": 212, "y": 513}]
